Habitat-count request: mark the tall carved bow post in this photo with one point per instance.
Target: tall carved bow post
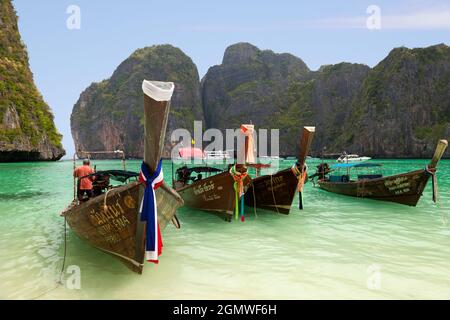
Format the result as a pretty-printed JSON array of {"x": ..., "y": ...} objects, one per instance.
[{"x": 248, "y": 131}]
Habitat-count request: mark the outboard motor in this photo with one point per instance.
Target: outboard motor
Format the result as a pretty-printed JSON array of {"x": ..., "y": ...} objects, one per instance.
[
  {"x": 322, "y": 170},
  {"x": 100, "y": 184},
  {"x": 183, "y": 175}
]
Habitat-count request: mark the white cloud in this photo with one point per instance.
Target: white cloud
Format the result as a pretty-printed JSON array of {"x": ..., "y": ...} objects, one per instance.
[
  {"x": 424, "y": 19},
  {"x": 432, "y": 19}
]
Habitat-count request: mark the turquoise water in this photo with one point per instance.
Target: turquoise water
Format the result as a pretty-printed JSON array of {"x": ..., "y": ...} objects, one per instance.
[{"x": 337, "y": 248}]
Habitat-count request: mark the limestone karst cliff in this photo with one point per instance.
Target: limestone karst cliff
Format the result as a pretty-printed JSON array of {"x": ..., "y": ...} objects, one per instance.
[
  {"x": 399, "y": 108},
  {"x": 109, "y": 114},
  {"x": 27, "y": 129}
]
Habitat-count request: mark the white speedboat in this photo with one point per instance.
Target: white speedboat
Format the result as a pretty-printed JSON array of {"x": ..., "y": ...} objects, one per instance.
[
  {"x": 218, "y": 156},
  {"x": 346, "y": 158}
]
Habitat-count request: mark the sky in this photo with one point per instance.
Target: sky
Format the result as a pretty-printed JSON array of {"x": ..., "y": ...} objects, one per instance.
[{"x": 66, "y": 60}]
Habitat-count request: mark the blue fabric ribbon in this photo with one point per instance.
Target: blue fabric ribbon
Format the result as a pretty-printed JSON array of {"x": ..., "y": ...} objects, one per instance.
[{"x": 149, "y": 210}]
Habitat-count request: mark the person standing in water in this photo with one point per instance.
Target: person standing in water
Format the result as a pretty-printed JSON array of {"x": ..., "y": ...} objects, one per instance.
[{"x": 84, "y": 185}]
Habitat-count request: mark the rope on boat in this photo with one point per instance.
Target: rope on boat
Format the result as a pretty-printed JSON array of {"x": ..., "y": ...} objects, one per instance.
[
  {"x": 105, "y": 206},
  {"x": 254, "y": 201},
  {"x": 74, "y": 179},
  {"x": 45, "y": 292},
  {"x": 239, "y": 188},
  {"x": 65, "y": 252},
  {"x": 432, "y": 173},
  {"x": 301, "y": 175},
  {"x": 273, "y": 193}
]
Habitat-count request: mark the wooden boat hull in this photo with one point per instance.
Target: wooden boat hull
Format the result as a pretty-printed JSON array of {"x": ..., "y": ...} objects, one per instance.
[
  {"x": 406, "y": 188},
  {"x": 111, "y": 221},
  {"x": 273, "y": 192},
  {"x": 118, "y": 229},
  {"x": 277, "y": 191},
  {"x": 215, "y": 194}
]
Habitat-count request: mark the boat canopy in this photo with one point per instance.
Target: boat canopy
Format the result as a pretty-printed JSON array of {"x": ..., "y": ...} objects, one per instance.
[
  {"x": 118, "y": 175},
  {"x": 191, "y": 153},
  {"x": 355, "y": 165},
  {"x": 200, "y": 170}
]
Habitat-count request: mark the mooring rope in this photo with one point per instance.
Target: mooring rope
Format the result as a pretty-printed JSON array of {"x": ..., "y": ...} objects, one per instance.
[
  {"x": 254, "y": 200},
  {"x": 65, "y": 251},
  {"x": 45, "y": 292},
  {"x": 105, "y": 206},
  {"x": 273, "y": 193},
  {"x": 59, "y": 283},
  {"x": 432, "y": 173},
  {"x": 301, "y": 176}
]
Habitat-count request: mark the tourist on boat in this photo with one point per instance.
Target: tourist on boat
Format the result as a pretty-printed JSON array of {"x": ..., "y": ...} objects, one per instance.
[{"x": 85, "y": 186}]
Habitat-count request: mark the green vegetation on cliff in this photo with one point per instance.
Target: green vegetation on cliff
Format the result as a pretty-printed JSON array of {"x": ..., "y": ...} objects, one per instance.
[
  {"x": 250, "y": 85},
  {"x": 26, "y": 122},
  {"x": 278, "y": 91},
  {"x": 109, "y": 114},
  {"x": 403, "y": 106},
  {"x": 399, "y": 108}
]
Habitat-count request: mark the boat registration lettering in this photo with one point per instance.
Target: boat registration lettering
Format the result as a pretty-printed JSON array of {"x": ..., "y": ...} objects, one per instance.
[
  {"x": 111, "y": 229},
  {"x": 398, "y": 186},
  {"x": 275, "y": 183},
  {"x": 406, "y": 190},
  {"x": 274, "y": 180},
  {"x": 212, "y": 197},
  {"x": 102, "y": 216},
  {"x": 206, "y": 187},
  {"x": 110, "y": 221},
  {"x": 113, "y": 238}
]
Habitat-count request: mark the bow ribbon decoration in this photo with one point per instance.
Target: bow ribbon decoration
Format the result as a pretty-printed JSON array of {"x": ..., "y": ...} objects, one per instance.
[
  {"x": 149, "y": 210},
  {"x": 301, "y": 175},
  {"x": 239, "y": 178}
]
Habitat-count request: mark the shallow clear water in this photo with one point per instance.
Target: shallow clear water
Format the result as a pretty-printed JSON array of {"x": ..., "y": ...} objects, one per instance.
[{"x": 338, "y": 247}]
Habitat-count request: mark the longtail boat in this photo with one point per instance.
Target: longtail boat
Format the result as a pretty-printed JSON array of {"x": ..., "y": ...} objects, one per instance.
[
  {"x": 404, "y": 188},
  {"x": 111, "y": 221},
  {"x": 275, "y": 192},
  {"x": 212, "y": 189}
]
